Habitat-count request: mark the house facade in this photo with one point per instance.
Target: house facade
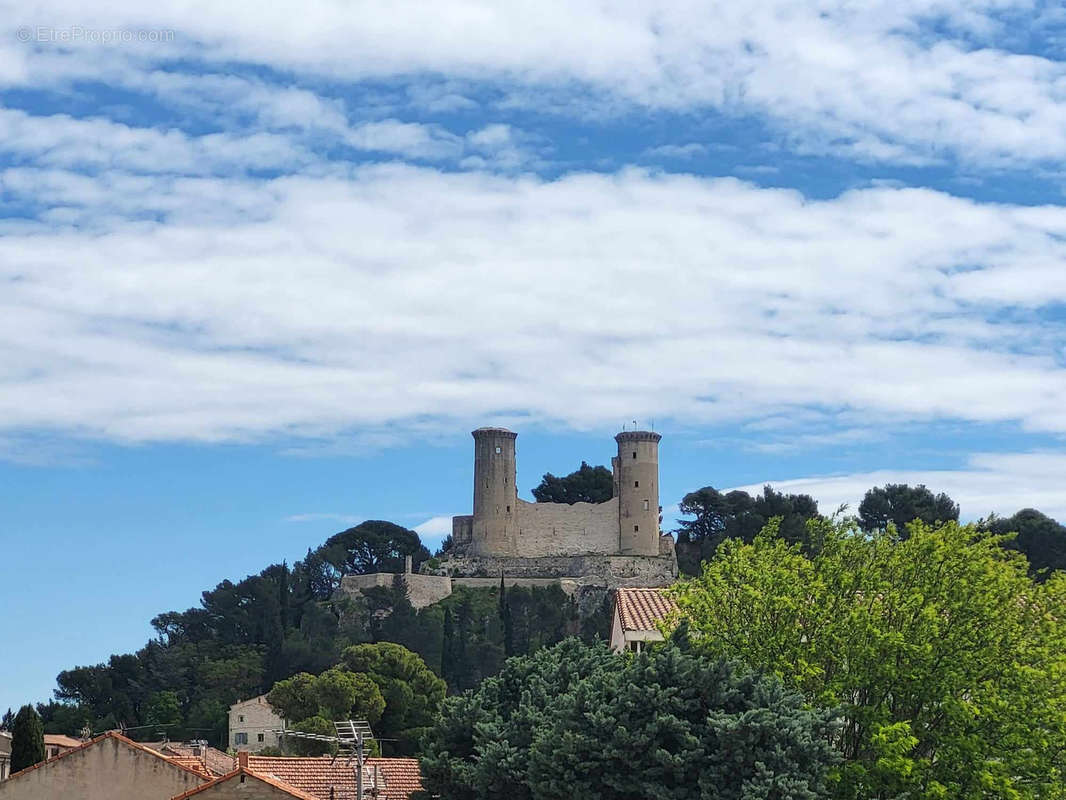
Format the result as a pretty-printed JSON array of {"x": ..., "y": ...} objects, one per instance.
[
  {"x": 254, "y": 725},
  {"x": 637, "y": 616}
]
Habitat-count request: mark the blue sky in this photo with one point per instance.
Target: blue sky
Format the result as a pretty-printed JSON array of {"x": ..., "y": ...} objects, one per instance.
[{"x": 264, "y": 267}]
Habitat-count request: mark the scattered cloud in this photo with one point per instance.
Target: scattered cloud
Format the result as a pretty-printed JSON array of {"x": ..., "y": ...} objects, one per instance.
[
  {"x": 681, "y": 151},
  {"x": 435, "y": 526},
  {"x": 346, "y": 519},
  {"x": 990, "y": 482}
]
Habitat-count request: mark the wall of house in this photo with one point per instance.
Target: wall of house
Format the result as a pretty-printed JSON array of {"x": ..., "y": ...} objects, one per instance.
[
  {"x": 106, "y": 770},
  {"x": 243, "y": 787},
  {"x": 258, "y": 721}
]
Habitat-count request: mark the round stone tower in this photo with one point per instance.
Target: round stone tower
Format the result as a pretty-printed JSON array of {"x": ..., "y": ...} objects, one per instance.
[
  {"x": 495, "y": 497},
  {"x": 637, "y": 482}
]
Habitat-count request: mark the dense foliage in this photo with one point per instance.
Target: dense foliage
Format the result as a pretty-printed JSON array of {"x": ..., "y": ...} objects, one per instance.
[
  {"x": 900, "y": 504},
  {"x": 247, "y": 636},
  {"x": 1040, "y": 538},
  {"x": 27, "y": 739},
  {"x": 947, "y": 660},
  {"x": 736, "y": 515},
  {"x": 578, "y": 721},
  {"x": 584, "y": 485}
]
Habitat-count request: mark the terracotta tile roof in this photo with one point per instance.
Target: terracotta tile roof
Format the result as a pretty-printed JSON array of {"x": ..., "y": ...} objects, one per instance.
[
  {"x": 59, "y": 740},
  {"x": 268, "y": 779},
  {"x": 216, "y": 762},
  {"x": 317, "y": 776},
  {"x": 642, "y": 609},
  {"x": 119, "y": 738}
]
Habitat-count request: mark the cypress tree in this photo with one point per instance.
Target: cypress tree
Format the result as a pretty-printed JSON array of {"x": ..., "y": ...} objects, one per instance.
[
  {"x": 27, "y": 739},
  {"x": 505, "y": 619}
]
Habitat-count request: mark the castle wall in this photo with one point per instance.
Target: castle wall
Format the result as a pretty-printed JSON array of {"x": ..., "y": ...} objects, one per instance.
[
  {"x": 422, "y": 590},
  {"x": 551, "y": 529}
]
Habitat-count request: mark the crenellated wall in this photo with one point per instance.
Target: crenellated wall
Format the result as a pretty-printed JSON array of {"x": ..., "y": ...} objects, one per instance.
[{"x": 557, "y": 529}]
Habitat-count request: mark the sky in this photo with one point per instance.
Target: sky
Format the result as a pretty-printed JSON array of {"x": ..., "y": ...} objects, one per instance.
[{"x": 263, "y": 266}]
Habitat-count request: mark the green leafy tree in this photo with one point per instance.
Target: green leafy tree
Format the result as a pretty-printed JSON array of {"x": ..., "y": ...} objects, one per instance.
[
  {"x": 27, "y": 739},
  {"x": 946, "y": 660},
  {"x": 294, "y": 698},
  {"x": 1040, "y": 538},
  {"x": 736, "y": 515},
  {"x": 164, "y": 710},
  {"x": 7, "y": 720},
  {"x": 412, "y": 692},
  {"x": 577, "y": 721},
  {"x": 311, "y": 747},
  {"x": 373, "y": 546},
  {"x": 901, "y": 504},
  {"x": 584, "y": 485},
  {"x": 342, "y": 694}
]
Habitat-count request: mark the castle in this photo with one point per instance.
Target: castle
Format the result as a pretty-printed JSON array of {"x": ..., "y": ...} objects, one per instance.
[
  {"x": 584, "y": 547},
  {"x": 617, "y": 540}
]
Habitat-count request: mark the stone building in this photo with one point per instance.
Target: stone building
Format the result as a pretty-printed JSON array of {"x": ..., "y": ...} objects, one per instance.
[
  {"x": 618, "y": 542},
  {"x": 254, "y": 725},
  {"x": 636, "y": 618}
]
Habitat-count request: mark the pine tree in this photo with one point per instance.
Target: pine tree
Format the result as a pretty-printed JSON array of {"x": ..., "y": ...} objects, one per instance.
[
  {"x": 27, "y": 740},
  {"x": 506, "y": 620}
]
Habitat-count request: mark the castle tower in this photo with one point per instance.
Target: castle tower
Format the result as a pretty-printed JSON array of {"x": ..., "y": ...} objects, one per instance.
[
  {"x": 495, "y": 521},
  {"x": 636, "y": 476}
]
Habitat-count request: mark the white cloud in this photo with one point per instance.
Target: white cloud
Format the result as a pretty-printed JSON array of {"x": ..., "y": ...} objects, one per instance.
[
  {"x": 990, "y": 482},
  {"x": 397, "y": 299},
  {"x": 325, "y": 516},
  {"x": 435, "y": 526},
  {"x": 682, "y": 151},
  {"x": 911, "y": 81}
]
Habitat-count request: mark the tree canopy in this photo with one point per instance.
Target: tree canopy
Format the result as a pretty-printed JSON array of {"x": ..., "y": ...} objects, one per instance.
[
  {"x": 901, "y": 504},
  {"x": 736, "y": 515},
  {"x": 584, "y": 485},
  {"x": 1040, "y": 538},
  {"x": 576, "y": 720},
  {"x": 27, "y": 739},
  {"x": 946, "y": 660}
]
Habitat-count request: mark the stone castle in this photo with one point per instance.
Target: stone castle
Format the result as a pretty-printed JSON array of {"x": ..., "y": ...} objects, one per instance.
[{"x": 583, "y": 546}]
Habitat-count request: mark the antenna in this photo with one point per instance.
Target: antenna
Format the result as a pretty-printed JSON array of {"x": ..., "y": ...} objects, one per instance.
[{"x": 351, "y": 738}]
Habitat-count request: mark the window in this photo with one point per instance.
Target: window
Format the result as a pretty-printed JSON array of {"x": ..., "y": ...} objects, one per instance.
[
  {"x": 508, "y": 509},
  {"x": 634, "y": 454},
  {"x": 636, "y": 528},
  {"x": 240, "y": 738},
  {"x": 636, "y": 484},
  {"x": 498, "y": 449},
  {"x": 240, "y": 718},
  {"x": 260, "y": 737},
  {"x": 645, "y": 505}
]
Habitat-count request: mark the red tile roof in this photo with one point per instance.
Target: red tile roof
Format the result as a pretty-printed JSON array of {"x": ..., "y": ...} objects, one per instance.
[
  {"x": 122, "y": 740},
  {"x": 60, "y": 740},
  {"x": 268, "y": 779},
  {"x": 642, "y": 609},
  {"x": 317, "y": 776},
  {"x": 216, "y": 762}
]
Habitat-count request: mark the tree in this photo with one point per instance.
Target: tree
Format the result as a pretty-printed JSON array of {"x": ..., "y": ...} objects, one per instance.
[
  {"x": 342, "y": 694},
  {"x": 311, "y": 747},
  {"x": 1040, "y": 538},
  {"x": 27, "y": 739},
  {"x": 585, "y": 485},
  {"x": 373, "y": 546},
  {"x": 736, "y": 515},
  {"x": 901, "y": 504},
  {"x": 946, "y": 660},
  {"x": 7, "y": 720},
  {"x": 294, "y": 698},
  {"x": 164, "y": 711},
  {"x": 412, "y": 693},
  {"x": 577, "y": 721}
]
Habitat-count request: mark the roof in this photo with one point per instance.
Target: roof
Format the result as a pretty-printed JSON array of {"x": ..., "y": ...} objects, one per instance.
[
  {"x": 118, "y": 737},
  {"x": 217, "y": 762},
  {"x": 642, "y": 609},
  {"x": 316, "y": 776},
  {"x": 60, "y": 740},
  {"x": 268, "y": 779}
]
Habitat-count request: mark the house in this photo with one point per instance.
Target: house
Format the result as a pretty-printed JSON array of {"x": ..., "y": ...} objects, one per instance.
[
  {"x": 5, "y": 754},
  {"x": 112, "y": 767},
  {"x": 254, "y": 725},
  {"x": 57, "y": 743},
  {"x": 636, "y": 617},
  {"x": 326, "y": 778},
  {"x": 109, "y": 767}
]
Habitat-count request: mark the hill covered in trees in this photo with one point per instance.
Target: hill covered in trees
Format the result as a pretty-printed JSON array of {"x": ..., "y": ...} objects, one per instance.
[{"x": 247, "y": 635}]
